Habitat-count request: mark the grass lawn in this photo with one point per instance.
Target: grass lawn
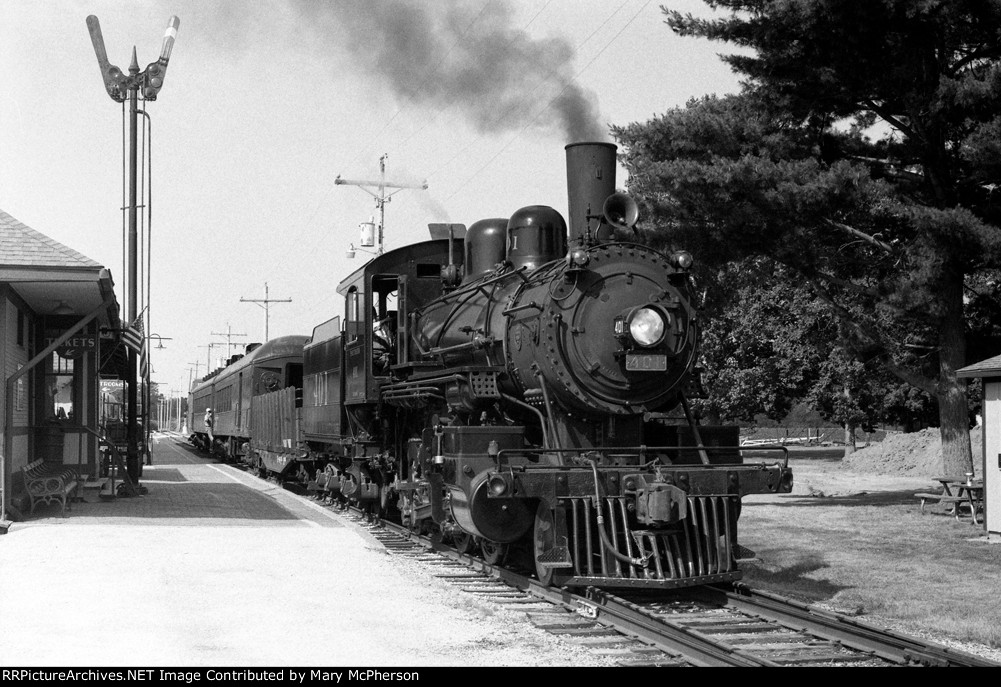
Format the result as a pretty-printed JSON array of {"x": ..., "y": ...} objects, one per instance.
[{"x": 859, "y": 544}]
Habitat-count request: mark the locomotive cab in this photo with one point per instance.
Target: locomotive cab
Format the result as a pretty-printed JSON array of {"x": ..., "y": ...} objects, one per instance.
[{"x": 378, "y": 298}]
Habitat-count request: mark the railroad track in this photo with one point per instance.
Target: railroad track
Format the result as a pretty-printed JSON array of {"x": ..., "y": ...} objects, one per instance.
[{"x": 705, "y": 626}]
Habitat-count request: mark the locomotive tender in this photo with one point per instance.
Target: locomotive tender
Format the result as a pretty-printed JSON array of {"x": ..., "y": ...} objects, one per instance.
[{"x": 524, "y": 390}]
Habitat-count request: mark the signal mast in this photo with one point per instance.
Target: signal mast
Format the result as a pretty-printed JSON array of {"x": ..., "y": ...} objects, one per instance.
[{"x": 122, "y": 87}]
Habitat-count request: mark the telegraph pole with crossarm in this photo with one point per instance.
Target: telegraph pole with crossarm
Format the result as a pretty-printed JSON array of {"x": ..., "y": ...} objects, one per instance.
[
  {"x": 266, "y": 302},
  {"x": 229, "y": 337},
  {"x": 381, "y": 198},
  {"x": 208, "y": 354}
]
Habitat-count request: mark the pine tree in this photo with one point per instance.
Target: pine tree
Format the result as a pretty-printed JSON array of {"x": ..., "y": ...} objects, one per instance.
[{"x": 863, "y": 153}]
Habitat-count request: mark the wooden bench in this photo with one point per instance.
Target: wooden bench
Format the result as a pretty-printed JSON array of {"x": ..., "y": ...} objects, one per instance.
[
  {"x": 942, "y": 498},
  {"x": 46, "y": 483}
]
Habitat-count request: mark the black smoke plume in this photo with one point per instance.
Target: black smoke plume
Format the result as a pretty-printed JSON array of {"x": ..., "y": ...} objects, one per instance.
[{"x": 450, "y": 54}]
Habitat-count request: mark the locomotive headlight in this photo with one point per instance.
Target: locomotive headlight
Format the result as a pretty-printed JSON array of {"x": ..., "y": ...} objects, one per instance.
[{"x": 647, "y": 326}]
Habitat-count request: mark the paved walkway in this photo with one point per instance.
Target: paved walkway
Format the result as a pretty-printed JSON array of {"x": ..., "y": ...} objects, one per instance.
[{"x": 216, "y": 567}]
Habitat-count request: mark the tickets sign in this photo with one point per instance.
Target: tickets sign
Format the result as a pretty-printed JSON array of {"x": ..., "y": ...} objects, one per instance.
[{"x": 75, "y": 346}]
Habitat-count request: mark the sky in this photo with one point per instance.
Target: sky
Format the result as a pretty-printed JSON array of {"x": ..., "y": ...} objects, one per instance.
[{"x": 265, "y": 103}]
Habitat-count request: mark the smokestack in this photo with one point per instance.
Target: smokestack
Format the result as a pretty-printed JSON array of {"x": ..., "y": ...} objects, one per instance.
[{"x": 590, "y": 180}]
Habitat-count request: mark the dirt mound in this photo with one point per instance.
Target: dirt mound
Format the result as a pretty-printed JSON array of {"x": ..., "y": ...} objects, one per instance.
[{"x": 917, "y": 454}]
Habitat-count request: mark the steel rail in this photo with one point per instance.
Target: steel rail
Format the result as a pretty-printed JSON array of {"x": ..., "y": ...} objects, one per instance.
[
  {"x": 884, "y": 643},
  {"x": 673, "y": 638},
  {"x": 664, "y": 634},
  {"x": 610, "y": 611},
  {"x": 676, "y": 640}
]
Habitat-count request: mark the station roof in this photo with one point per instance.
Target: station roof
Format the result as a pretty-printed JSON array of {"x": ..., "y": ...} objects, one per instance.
[
  {"x": 48, "y": 275},
  {"x": 985, "y": 368}
]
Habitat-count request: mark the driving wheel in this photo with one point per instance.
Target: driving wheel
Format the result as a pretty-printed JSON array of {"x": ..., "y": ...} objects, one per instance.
[
  {"x": 493, "y": 553},
  {"x": 463, "y": 541}
]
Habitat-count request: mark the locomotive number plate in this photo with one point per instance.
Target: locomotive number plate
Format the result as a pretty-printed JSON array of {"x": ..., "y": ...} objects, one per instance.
[{"x": 646, "y": 363}]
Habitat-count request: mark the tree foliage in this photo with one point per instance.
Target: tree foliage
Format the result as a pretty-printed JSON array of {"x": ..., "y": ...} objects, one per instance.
[
  {"x": 762, "y": 346},
  {"x": 862, "y": 154}
]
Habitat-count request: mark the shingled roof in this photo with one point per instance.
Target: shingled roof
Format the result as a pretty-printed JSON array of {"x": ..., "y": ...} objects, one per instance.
[
  {"x": 985, "y": 368},
  {"x": 22, "y": 246}
]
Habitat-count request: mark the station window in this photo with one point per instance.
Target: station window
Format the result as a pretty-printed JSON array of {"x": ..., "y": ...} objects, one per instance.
[{"x": 59, "y": 389}]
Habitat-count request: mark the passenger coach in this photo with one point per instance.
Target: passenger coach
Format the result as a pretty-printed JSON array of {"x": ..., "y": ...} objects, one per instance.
[{"x": 264, "y": 368}]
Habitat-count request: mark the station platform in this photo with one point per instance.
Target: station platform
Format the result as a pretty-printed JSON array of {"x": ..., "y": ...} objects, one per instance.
[{"x": 214, "y": 566}]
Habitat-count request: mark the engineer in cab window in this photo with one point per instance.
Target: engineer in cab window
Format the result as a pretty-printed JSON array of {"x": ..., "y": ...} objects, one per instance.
[{"x": 382, "y": 344}]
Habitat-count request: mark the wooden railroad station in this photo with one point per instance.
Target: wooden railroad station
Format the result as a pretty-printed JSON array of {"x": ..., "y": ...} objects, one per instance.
[{"x": 59, "y": 324}]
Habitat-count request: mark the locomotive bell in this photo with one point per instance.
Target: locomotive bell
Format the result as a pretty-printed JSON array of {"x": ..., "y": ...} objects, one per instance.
[{"x": 621, "y": 211}]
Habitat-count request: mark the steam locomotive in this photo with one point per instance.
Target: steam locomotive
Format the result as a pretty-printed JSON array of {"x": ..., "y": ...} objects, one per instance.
[{"x": 521, "y": 388}]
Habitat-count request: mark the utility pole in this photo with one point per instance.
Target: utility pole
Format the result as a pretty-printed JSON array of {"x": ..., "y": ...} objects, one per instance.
[
  {"x": 381, "y": 198},
  {"x": 229, "y": 337},
  {"x": 266, "y": 301},
  {"x": 121, "y": 88},
  {"x": 170, "y": 407},
  {"x": 194, "y": 369},
  {"x": 208, "y": 356}
]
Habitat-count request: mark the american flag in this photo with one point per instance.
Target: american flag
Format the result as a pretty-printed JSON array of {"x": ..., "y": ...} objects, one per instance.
[{"x": 134, "y": 337}]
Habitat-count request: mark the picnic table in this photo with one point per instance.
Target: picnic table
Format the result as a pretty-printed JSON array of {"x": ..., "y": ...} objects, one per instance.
[
  {"x": 973, "y": 491},
  {"x": 957, "y": 492}
]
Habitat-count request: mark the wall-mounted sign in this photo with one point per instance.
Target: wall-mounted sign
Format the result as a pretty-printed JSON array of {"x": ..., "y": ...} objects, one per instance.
[{"x": 75, "y": 346}]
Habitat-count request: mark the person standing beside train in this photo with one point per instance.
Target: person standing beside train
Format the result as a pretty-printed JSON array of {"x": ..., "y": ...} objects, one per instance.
[{"x": 209, "y": 421}]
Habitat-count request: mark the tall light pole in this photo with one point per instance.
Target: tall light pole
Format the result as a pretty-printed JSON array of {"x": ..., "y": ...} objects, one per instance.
[
  {"x": 266, "y": 301},
  {"x": 159, "y": 339},
  {"x": 121, "y": 88},
  {"x": 170, "y": 407},
  {"x": 148, "y": 426}
]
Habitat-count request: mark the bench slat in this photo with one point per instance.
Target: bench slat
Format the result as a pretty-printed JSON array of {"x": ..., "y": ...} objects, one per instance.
[{"x": 941, "y": 498}]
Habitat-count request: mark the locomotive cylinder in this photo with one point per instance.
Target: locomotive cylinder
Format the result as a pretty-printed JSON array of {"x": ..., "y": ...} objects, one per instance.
[{"x": 468, "y": 459}]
